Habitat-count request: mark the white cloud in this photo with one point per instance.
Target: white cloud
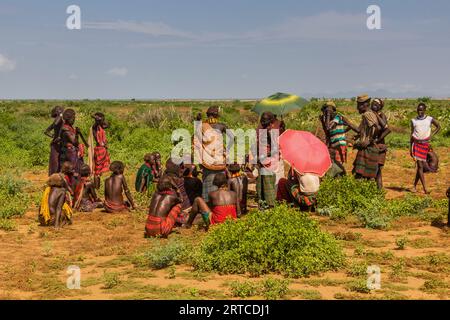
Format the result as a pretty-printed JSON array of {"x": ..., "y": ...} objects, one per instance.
[
  {"x": 120, "y": 72},
  {"x": 6, "y": 64},
  {"x": 73, "y": 77},
  {"x": 329, "y": 26},
  {"x": 156, "y": 29}
]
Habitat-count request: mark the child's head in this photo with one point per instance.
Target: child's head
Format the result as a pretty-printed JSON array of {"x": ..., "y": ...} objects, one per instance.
[
  {"x": 85, "y": 171},
  {"x": 69, "y": 116},
  {"x": 190, "y": 170},
  {"x": 164, "y": 184},
  {"x": 234, "y": 168},
  {"x": 56, "y": 111},
  {"x": 67, "y": 168},
  {"x": 55, "y": 181},
  {"x": 149, "y": 158},
  {"x": 117, "y": 167},
  {"x": 220, "y": 180},
  {"x": 377, "y": 105}
]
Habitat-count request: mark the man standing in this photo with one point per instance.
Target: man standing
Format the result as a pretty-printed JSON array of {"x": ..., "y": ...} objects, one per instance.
[
  {"x": 366, "y": 162},
  {"x": 210, "y": 146},
  {"x": 99, "y": 160}
]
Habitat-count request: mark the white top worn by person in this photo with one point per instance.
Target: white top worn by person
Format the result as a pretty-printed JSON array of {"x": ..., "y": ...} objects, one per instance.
[
  {"x": 422, "y": 128},
  {"x": 309, "y": 183}
]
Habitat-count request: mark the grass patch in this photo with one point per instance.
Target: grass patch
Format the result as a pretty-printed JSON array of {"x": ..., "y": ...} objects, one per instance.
[{"x": 164, "y": 254}]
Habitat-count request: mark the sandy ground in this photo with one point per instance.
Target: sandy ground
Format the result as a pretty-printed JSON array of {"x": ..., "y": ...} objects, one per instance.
[{"x": 34, "y": 260}]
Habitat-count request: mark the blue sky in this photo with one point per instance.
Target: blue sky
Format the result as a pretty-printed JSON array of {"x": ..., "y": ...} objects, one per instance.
[{"x": 223, "y": 49}]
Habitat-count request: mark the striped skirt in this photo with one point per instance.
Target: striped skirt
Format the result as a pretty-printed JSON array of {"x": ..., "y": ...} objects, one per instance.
[
  {"x": 366, "y": 162},
  {"x": 162, "y": 226},
  {"x": 420, "y": 149}
]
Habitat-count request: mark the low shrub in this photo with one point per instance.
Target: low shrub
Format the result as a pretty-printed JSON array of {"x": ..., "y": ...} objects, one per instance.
[
  {"x": 270, "y": 288},
  {"x": 244, "y": 289},
  {"x": 274, "y": 289},
  {"x": 14, "y": 201},
  {"x": 278, "y": 240},
  {"x": 366, "y": 202},
  {"x": 163, "y": 255}
]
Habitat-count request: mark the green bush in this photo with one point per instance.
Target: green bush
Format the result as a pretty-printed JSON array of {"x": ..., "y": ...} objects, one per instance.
[
  {"x": 244, "y": 289},
  {"x": 7, "y": 225},
  {"x": 270, "y": 289},
  {"x": 163, "y": 255},
  {"x": 346, "y": 195},
  {"x": 278, "y": 240},
  {"x": 14, "y": 201},
  {"x": 274, "y": 289}
]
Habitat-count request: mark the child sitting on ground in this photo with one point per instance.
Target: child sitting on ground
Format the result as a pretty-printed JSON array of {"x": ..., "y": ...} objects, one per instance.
[
  {"x": 144, "y": 176},
  {"x": 115, "y": 186},
  {"x": 432, "y": 163},
  {"x": 238, "y": 183},
  {"x": 55, "y": 207},
  {"x": 223, "y": 204},
  {"x": 86, "y": 199},
  {"x": 69, "y": 176},
  {"x": 165, "y": 207}
]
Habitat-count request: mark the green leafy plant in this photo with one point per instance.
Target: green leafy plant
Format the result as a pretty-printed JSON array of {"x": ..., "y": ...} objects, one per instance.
[
  {"x": 278, "y": 240},
  {"x": 244, "y": 289},
  {"x": 163, "y": 255},
  {"x": 401, "y": 242}
]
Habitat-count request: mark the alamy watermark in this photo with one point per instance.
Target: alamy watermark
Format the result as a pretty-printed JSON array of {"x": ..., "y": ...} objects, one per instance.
[
  {"x": 73, "y": 22},
  {"x": 374, "y": 19},
  {"x": 73, "y": 281}
]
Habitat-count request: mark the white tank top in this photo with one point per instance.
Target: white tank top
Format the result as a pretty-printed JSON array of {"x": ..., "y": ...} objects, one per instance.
[{"x": 422, "y": 128}]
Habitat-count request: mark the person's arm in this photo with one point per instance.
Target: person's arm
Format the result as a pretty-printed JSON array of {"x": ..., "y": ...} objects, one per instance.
[
  {"x": 238, "y": 205},
  {"x": 385, "y": 129},
  {"x": 437, "y": 125},
  {"x": 127, "y": 192},
  {"x": 49, "y": 129},
  {"x": 93, "y": 194},
  {"x": 349, "y": 124}
]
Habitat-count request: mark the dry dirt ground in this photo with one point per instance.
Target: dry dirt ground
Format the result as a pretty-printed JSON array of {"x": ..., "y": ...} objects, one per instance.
[{"x": 34, "y": 260}]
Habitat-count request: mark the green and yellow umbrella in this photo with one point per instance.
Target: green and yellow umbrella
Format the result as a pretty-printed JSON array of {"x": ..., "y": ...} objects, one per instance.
[{"x": 280, "y": 104}]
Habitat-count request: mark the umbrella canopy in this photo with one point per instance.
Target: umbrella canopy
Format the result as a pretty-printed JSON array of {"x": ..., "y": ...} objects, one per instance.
[
  {"x": 304, "y": 152},
  {"x": 280, "y": 104}
]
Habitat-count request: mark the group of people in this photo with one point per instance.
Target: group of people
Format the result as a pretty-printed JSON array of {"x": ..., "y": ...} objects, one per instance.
[
  {"x": 181, "y": 198},
  {"x": 370, "y": 140}
]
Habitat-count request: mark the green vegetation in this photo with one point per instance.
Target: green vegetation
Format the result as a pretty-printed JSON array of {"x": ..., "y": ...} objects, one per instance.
[
  {"x": 14, "y": 201},
  {"x": 270, "y": 289},
  {"x": 164, "y": 254},
  {"x": 278, "y": 240},
  {"x": 366, "y": 202}
]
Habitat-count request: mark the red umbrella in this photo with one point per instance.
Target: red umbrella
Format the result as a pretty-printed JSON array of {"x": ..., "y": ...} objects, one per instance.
[{"x": 304, "y": 152}]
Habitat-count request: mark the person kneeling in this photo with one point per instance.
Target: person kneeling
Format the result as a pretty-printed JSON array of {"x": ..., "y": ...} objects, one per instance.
[
  {"x": 300, "y": 190},
  {"x": 223, "y": 204},
  {"x": 55, "y": 207},
  {"x": 165, "y": 207}
]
